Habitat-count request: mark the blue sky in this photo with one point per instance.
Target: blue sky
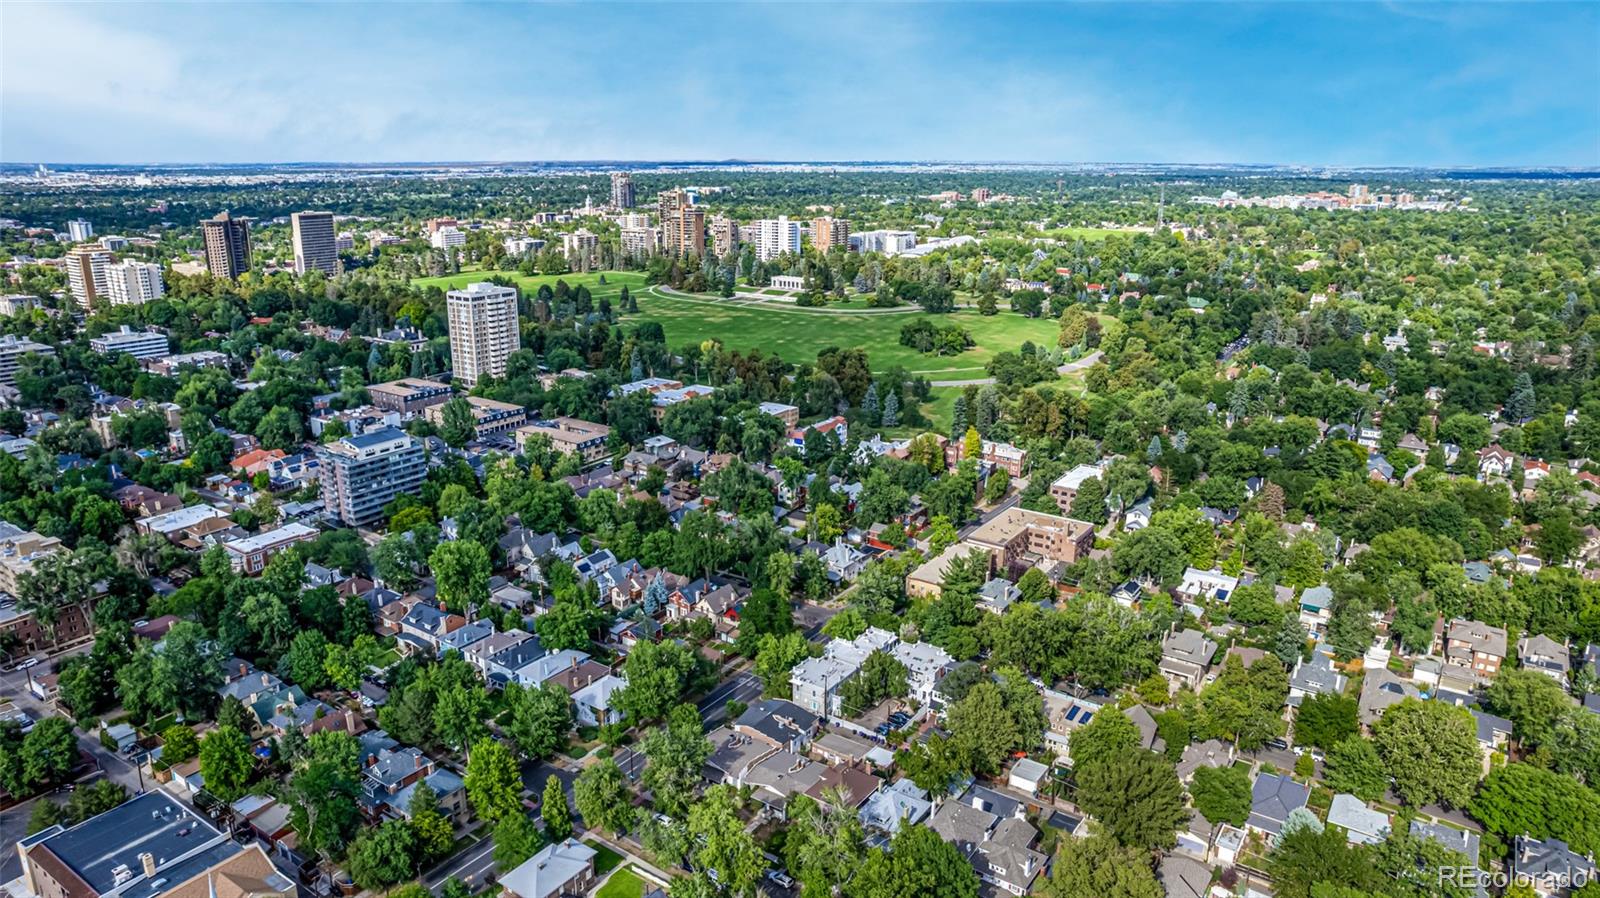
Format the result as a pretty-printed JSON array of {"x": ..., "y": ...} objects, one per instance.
[{"x": 1338, "y": 84}]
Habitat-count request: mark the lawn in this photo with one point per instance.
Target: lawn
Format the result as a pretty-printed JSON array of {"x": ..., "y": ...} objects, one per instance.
[
  {"x": 1087, "y": 233},
  {"x": 623, "y": 884},
  {"x": 798, "y": 334},
  {"x": 605, "y": 859},
  {"x": 531, "y": 283}
]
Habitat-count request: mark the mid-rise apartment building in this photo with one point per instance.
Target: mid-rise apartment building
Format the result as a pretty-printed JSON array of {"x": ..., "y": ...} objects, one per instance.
[
  {"x": 483, "y": 330},
  {"x": 131, "y": 282},
  {"x": 409, "y": 395},
  {"x": 12, "y": 349},
  {"x": 581, "y": 246},
  {"x": 86, "y": 275},
  {"x": 227, "y": 242},
  {"x": 79, "y": 230},
  {"x": 148, "y": 344},
  {"x": 585, "y": 439},
  {"x": 828, "y": 232},
  {"x": 315, "y": 245},
  {"x": 636, "y": 243},
  {"x": 490, "y": 416},
  {"x": 724, "y": 235},
  {"x": 249, "y": 555},
  {"x": 362, "y": 474},
  {"x": 1020, "y": 534},
  {"x": 447, "y": 237}
]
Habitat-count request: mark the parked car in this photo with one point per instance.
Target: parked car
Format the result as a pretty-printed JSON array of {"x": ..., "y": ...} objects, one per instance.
[{"x": 780, "y": 879}]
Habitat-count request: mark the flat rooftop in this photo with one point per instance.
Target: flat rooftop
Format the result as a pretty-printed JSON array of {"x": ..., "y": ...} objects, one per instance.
[{"x": 153, "y": 822}]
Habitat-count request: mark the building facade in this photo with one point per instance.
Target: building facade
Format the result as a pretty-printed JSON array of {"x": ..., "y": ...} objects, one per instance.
[
  {"x": 621, "y": 190},
  {"x": 86, "y": 275},
  {"x": 483, "y": 330},
  {"x": 828, "y": 232},
  {"x": 409, "y": 396},
  {"x": 131, "y": 282},
  {"x": 139, "y": 344},
  {"x": 773, "y": 237},
  {"x": 315, "y": 245},
  {"x": 227, "y": 242},
  {"x": 362, "y": 474},
  {"x": 683, "y": 227}
]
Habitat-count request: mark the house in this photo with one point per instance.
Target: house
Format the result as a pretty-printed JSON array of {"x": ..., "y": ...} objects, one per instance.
[
  {"x": 1272, "y": 797},
  {"x": 1210, "y": 753},
  {"x": 778, "y": 723},
  {"x": 560, "y": 869},
  {"x": 1493, "y": 732},
  {"x": 1064, "y": 714},
  {"x": 1494, "y": 461},
  {"x": 1183, "y": 877},
  {"x": 990, "y": 829},
  {"x": 997, "y": 595},
  {"x": 1212, "y": 584},
  {"x": 1361, "y": 824},
  {"x": 1186, "y": 657},
  {"x": 837, "y": 426},
  {"x": 464, "y": 637},
  {"x": 896, "y": 804},
  {"x": 844, "y": 561},
  {"x": 1545, "y": 655},
  {"x": 840, "y": 749},
  {"x": 925, "y": 665},
  {"x": 424, "y": 625},
  {"x": 1137, "y": 517},
  {"x": 1550, "y": 866},
  {"x": 814, "y": 683},
  {"x": 1149, "y": 732},
  {"x": 593, "y": 702},
  {"x": 1475, "y": 646},
  {"x": 1319, "y": 676},
  {"x": 1380, "y": 690},
  {"x": 1027, "y": 776}
]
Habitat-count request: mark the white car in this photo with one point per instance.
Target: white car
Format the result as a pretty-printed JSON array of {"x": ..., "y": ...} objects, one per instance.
[
  {"x": 780, "y": 879},
  {"x": 26, "y": 663}
]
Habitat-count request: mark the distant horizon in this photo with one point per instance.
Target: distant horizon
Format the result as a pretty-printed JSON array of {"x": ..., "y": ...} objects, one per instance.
[{"x": 1349, "y": 85}]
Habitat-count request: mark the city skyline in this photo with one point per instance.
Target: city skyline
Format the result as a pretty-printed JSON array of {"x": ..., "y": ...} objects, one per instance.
[{"x": 1349, "y": 85}]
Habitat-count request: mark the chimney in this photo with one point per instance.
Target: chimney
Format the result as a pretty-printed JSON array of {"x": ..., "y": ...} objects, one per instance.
[
  {"x": 419, "y": 760},
  {"x": 243, "y": 668},
  {"x": 148, "y": 861}
]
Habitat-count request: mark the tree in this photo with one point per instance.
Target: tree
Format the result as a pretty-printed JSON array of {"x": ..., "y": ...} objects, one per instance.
[
  {"x": 1353, "y": 766},
  {"x": 226, "y": 763},
  {"x": 777, "y": 656},
  {"x": 881, "y": 676},
  {"x": 1107, "y": 736},
  {"x": 435, "y": 835},
  {"x": 982, "y": 728},
  {"x": 918, "y": 862},
  {"x": 1431, "y": 751},
  {"x": 493, "y": 784},
  {"x": 457, "y": 424},
  {"x": 724, "y": 845},
  {"x": 540, "y": 719},
  {"x": 1325, "y": 720},
  {"x": 554, "y": 811},
  {"x": 461, "y": 574},
  {"x": 1136, "y": 796},
  {"x": 1520, "y": 799},
  {"x": 458, "y": 714},
  {"x": 305, "y": 662},
  {"x": 187, "y": 672},
  {"x": 383, "y": 856},
  {"x": 322, "y": 793},
  {"x": 1222, "y": 794},
  {"x": 1310, "y": 858},
  {"x": 1245, "y": 704},
  {"x": 1097, "y": 867},
  {"x": 1530, "y": 700},
  {"x": 47, "y": 755},
  {"x": 657, "y": 674},
  {"x": 178, "y": 744},
  {"x": 676, "y": 753},
  {"x": 516, "y": 839},
  {"x": 935, "y": 765},
  {"x": 825, "y": 844},
  {"x": 602, "y": 795}
]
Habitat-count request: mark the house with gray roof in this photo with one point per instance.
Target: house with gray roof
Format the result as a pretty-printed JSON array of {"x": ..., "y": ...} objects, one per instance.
[
  {"x": 1545, "y": 655},
  {"x": 989, "y": 829},
  {"x": 561, "y": 868},
  {"x": 1186, "y": 657},
  {"x": 1318, "y": 676},
  {"x": 998, "y": 594},
  {"x": 1272, "y": 797},
  {"x": 899, "y": 803},
  {"x": 1549, "y": 864},
  {"x": 1361, "y": 824},
  {"x": 462, "y": 638},
  {"x": 1380, "y": 689},
  {"x": 1183, "y": 877}
]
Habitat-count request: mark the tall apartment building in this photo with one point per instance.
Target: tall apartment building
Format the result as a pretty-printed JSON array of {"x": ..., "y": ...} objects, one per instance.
[
  {"x": 683, "y": 227},
  {"x": 315, "y": 245},
  {"x": 79, "y": 230},
  {"x": 724, "y": 235},
  {"x": 86, "y": 275},
  {"x": 829, "y": 232},
  {"x": 621, "y": 190},
  {"x": 483, "y": 330},
  {"x": 775, "y": 236},
  {"x": 633, "y": 220},
  {"x": 362, "y": 474},
  {"x": 131, "y": 282},
  {"x": 640, "y": 242},
  {"x": 12, "y": 349},
  {"x": 227, "y": 242}
]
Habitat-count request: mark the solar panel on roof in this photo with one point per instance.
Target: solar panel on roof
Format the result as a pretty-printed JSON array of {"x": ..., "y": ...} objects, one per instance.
[
  {"x": 1086, "y": 716},
  {"x": 1073, "y": 714}
]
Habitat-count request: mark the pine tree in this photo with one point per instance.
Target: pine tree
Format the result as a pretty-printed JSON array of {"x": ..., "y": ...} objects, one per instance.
[
  {"x": 1153, "y": 453},
  {"x": 869, "y": 402},
  {"x": 891, "y": 410},
  {"x": 988, "y": 408},
  {"x": 960, "y": 417},
  {"x": 655, "y": 596},
  {"x": 1520, "y": 404}
]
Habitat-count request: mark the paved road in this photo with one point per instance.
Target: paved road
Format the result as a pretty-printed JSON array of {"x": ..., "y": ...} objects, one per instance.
[
  {"x": 743, "y": 686},
  {"x": 1072, "y": 367}
]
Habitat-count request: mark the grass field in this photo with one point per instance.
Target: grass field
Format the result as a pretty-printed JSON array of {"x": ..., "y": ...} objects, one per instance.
[
  {"x": 605, "y": 859},
  {"x": 1087, "y": 233},
  {"x": 796, "y": 334},
  {"x": 623, "y": 884}
]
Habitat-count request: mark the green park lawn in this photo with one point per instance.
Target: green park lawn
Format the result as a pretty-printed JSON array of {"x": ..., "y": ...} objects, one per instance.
[
  {"x": 623, "y": 884},
  {"x": 530, "y": 284},
  {"x": 798, "y": 334},
  {"x": 1087, "y": 234},
  {"x": 605, "y": 859}
]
